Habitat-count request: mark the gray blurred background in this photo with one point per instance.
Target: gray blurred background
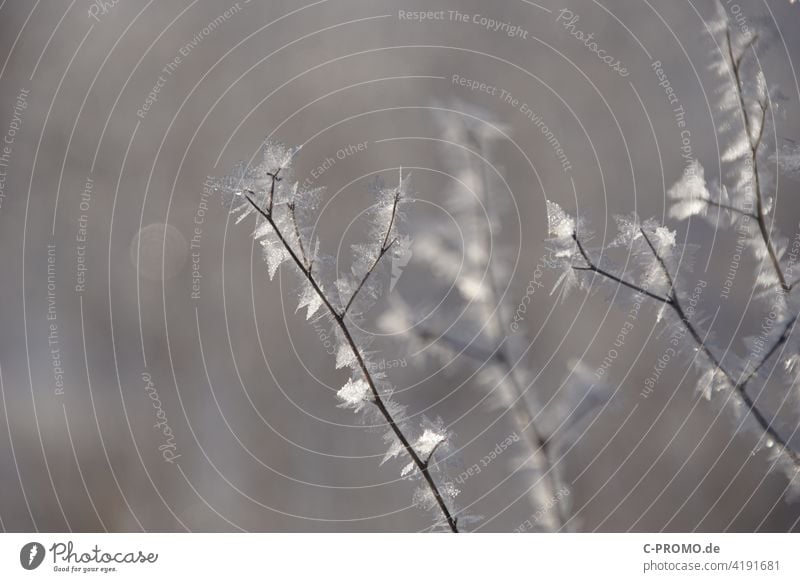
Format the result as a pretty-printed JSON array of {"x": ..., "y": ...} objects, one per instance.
[{"x": 96, "y": 183}]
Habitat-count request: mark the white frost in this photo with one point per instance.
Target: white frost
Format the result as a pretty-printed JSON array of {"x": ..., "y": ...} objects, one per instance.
[
  {"x": 354, "y": 394},
  {"x": 559, "y": 223},
  {"x": 345, "y": 357},
  {"x": 428, "y": 441}
]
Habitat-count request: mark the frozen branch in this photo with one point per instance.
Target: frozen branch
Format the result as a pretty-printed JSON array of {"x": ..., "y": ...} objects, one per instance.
[
  {"x": 385, "y": 246},
  {"x": 754, "y": 143},
  {"x": 520, "y": 408},
  {"x": 305, "y": 268},
  {"x": 591, "y": 266},
  {"x": 740, "y": 386}
]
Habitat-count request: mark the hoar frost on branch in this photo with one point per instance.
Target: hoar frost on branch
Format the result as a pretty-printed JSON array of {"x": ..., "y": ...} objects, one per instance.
[
  {"x": 746, "y": 103},
  {"x": 474, "y": 324},
  {"x": 285, "y": 213}
]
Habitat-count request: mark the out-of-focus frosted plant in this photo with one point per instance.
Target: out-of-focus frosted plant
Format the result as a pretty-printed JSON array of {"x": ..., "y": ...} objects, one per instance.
[
  {"x": 743, "y": 202},
  {"x": 284, "y": 213},
  {"x": 471, "y": 267}
]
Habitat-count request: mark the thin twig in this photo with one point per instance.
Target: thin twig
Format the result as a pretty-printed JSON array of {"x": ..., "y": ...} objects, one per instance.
[
  {"x": 366, "y": 276},
  {"x": 520, "y": 408},
  {"x": 392, "y": 217},
  {"x": 787, "y": 331},
  {"x": 306, "y": 260},
  {"x": 383, "y": 250},
  {"x": 430, "y": 455},
  {"x": 275, "y": 180},
  {"x": 592, "y": 267},
  {"x": 741, "y": 385},
  {"x": 755, "y": 143},
  {"x": 376, "y": 397},
  {"x": 662, "y": 264},
  {"x": 723, "y": 206}
]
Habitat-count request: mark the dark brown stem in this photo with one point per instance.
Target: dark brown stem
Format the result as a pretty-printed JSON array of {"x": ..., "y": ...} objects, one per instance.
[
  {"x": 366, "y": 276},
  {"x": 392, "y": 217},
  {"x": 384, "y": 248},
  {"x": 741, "y": 385},
  {"x": 376, "y": 397},
  {"x": 306, "y": 260},
  {"x": 787, "y": 331},
  {"x": 592, "y": 267},
  {"x": 427, "y": 461},
  {"x": 755, "y": 143},
  {"x": 711, "y": 202},
  {"x": 275, "y": 180}
]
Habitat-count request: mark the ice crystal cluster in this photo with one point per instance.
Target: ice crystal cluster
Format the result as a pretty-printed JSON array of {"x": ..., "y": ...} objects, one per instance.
[
  {"x": 285, "y": 213},
  {"x": 741, "y": 201}
]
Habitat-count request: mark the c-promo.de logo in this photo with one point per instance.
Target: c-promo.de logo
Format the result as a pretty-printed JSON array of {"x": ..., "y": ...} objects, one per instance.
[{"x": 31, "y": 555}]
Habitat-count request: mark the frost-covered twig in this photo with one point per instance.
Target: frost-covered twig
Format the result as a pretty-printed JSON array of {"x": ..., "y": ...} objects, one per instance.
[
  {"x": 566, "y": 240},
  {"x": 591, "y": 266},
  {"x": 385, "y": 246},
  {"x": 283, "y": 239},
  {"x": 741, "y": 384},
  {"x": 744, "y": 106},
  {"x": 482, "y": 331},
  {"x": 754, "y": 143},
  {"x": 744, "y": 103},
  {"x": 520, "y": 407},
  {"x": 422, "y": 466}
]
